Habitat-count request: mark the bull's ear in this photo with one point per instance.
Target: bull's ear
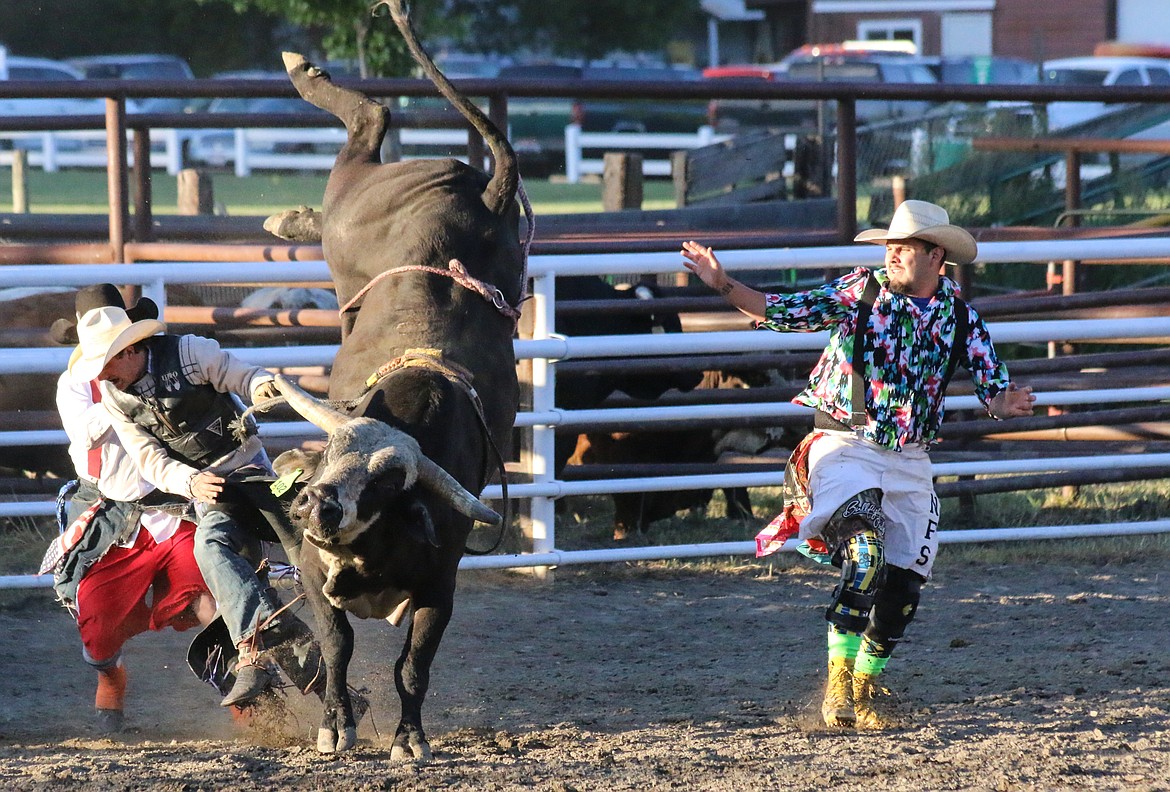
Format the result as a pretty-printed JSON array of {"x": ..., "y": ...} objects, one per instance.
[
  {"x": 295, "y": 458},
  {"x": 418, "y": 524}
]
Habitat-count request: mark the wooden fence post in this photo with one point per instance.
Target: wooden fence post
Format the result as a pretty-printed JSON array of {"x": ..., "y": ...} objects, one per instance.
[
  {"x": 678, "y": 175},
  {"x": 196, "y": 192},
  {"x": 19, "y": 181},
  {"x": 621, "y": 181}
]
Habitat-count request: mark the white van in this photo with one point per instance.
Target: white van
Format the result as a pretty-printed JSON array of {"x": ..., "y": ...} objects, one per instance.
[{"x": 1104, "y": 70}]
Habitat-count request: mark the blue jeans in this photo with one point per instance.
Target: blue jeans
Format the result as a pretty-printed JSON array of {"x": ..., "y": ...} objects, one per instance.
[{"x": 222, "y": 550}]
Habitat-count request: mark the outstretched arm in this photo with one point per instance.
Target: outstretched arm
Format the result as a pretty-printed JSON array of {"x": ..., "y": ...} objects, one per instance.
[
  {"x": 702, "y": 262},
  {"x": 1012, "y": 402}
]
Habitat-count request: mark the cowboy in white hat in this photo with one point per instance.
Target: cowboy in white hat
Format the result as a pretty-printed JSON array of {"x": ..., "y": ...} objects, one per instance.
[
  {"x": 858, "y": 490},
  {"x": 120, "y": 539},
  {"x": 173, "y": 402}
]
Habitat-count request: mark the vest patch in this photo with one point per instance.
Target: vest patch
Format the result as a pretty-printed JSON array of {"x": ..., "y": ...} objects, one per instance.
[{"x": 216, "y": 427}]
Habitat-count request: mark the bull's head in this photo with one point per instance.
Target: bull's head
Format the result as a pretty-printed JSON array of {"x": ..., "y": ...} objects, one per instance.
[{"x": 366, "y": 465}]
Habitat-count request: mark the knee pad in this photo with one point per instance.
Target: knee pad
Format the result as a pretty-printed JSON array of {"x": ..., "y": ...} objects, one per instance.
[
  {"x": 100, "y": 665},
  {"x": 861, "y": 512},
  {"x": 862, "y": 574},
  {"x": 894, "y": 609}
]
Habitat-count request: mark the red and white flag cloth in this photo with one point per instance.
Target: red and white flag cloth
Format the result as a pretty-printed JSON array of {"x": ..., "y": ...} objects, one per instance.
[
  {"x": 797, "y": 505},
  {"x": 68, "y": 538}
]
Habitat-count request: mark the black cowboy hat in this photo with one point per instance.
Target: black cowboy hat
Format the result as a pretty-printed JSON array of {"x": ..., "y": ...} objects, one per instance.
[{"x": 102, "y": 295}]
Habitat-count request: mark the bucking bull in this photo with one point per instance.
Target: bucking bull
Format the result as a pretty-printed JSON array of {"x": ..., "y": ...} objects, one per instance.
[{"x": 430, "y": 271}]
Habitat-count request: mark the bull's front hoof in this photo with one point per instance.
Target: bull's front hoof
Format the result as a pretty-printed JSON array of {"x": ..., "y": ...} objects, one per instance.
[
  {"x": 328, "y": 741},
  {"x": 415, "y": 749}
]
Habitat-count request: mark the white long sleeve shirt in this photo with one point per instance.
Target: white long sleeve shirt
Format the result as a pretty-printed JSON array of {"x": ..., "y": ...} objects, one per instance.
[{"x": 99, "y": 457}]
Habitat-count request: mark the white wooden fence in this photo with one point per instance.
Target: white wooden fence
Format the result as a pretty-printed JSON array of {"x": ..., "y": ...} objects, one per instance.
[
  {"x": 251, "y": 149},
  {"x": 577, "y": 142},
  {"x": 245, "y": 150},
  {"x": 52, "y": 151}
]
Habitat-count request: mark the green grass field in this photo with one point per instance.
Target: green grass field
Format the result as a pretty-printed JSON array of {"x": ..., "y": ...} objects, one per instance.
[{"x": 85, "y": 192}]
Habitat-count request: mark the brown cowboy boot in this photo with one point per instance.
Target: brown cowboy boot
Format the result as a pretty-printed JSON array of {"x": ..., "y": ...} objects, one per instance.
[
  {"x": 254, "y": 675},
  {"x": 837, "y": 708},
  {"x": 865, "y": 689}
]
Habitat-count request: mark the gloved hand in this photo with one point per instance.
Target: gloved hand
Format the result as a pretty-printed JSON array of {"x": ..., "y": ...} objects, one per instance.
[{"x": 264, "y": 391}]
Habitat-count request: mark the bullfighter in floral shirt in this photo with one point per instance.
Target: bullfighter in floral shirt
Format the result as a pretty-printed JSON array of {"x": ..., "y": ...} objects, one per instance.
[{"x": 858, "y": 489}]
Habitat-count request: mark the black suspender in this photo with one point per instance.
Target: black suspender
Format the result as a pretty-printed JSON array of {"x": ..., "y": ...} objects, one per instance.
[
  {"x": 962, "y": 328},
  {"x": 857, "y": 415},
  {"x": 858, "y": 418}
]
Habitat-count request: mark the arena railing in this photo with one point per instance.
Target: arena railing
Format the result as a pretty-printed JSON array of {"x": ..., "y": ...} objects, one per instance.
[{"x": 546, "y": 348}]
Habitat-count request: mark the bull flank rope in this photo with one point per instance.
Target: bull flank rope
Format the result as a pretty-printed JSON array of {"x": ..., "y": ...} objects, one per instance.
[{"x": 458, "y": 273}]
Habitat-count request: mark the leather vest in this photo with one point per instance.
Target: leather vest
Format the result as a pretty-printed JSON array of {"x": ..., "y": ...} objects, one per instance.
[{"x": 192, "y": 421}]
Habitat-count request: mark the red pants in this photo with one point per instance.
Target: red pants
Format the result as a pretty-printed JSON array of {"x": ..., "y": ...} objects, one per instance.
[{"x": 112, "y": 597}]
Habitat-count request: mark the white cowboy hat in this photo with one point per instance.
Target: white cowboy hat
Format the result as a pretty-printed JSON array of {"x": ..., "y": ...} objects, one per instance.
[
  {"x": 102, "y": 333},
  {"x": 926, "y": 221}
]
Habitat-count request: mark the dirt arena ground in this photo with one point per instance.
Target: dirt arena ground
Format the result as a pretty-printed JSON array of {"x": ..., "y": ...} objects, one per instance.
[{"x": 1013, "y": 677}]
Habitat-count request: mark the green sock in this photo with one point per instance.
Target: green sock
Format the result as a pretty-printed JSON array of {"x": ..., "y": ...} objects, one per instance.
[
  {"x": 868, "y": 661},
  {"x": 843, "y": 644}
]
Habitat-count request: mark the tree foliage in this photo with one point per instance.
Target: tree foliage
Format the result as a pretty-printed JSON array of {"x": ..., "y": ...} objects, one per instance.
[
  {"x": 558, "y": 27},
  {"x": 571, "y": 28},
  {"x": 212, "y": 38},
  {"x": 217, "y": 35},
  {"x": 349, "y": 30}
]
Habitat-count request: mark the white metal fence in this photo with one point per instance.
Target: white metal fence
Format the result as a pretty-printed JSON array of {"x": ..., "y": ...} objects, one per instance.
[{"x": 546, "y": 348}]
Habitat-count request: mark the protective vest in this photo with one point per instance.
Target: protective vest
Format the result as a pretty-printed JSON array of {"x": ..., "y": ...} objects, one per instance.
[{"x": 192, "y": 421}]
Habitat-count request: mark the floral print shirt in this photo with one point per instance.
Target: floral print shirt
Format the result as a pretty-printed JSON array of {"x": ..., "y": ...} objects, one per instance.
[{"x": 907, "y": 350}]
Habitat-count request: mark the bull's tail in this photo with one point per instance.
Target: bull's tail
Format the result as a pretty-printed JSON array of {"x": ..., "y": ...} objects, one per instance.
[{"x": 501, "y": 189}]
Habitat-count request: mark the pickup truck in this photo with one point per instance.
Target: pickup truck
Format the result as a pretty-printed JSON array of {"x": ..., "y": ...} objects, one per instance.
[{"x": 1098, "y": 70}]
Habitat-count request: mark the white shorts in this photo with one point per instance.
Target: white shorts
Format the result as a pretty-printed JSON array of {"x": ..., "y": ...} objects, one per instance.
[{"x": 840, "y": 466}]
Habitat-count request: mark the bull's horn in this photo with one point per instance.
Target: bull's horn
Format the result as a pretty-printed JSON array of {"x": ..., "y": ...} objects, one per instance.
[
  {"x": 444, "y": 484},
  {"x": 311, "y": 409}
]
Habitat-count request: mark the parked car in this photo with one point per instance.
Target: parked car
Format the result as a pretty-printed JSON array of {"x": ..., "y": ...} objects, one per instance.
[
  {"x": 465, "y": 65},
  {"x": 133, "y": 67},
  {"x": 1098, "y": 70},
  {"x": 16, "y": 67},
  {"x": 983, "y": 70},
  {"x": 537, "y": 124},
  {"x": 138, "y": 67},
  {"x": 217, "y": 147},
  {"x": 732, "y": 114}
]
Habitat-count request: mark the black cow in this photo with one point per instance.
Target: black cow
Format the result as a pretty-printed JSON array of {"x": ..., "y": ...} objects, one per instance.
[
  {"x": 425, "y": 377},
  {"x": 633, "y": 512},
  {"x": 585, "y": 393}
]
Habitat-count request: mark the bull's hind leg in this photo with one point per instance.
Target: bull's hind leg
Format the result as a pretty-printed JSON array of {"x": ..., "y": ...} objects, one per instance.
[{"x": 365, "y": 120}]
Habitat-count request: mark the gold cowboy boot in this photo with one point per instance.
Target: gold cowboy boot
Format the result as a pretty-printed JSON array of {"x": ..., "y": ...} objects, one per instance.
[
  {"x": 865, "y": 688},
  {"x": 837, "y": 708}
]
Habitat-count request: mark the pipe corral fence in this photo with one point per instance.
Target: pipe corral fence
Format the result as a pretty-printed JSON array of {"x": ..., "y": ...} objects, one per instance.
[{"x": 546, "y": 348}]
